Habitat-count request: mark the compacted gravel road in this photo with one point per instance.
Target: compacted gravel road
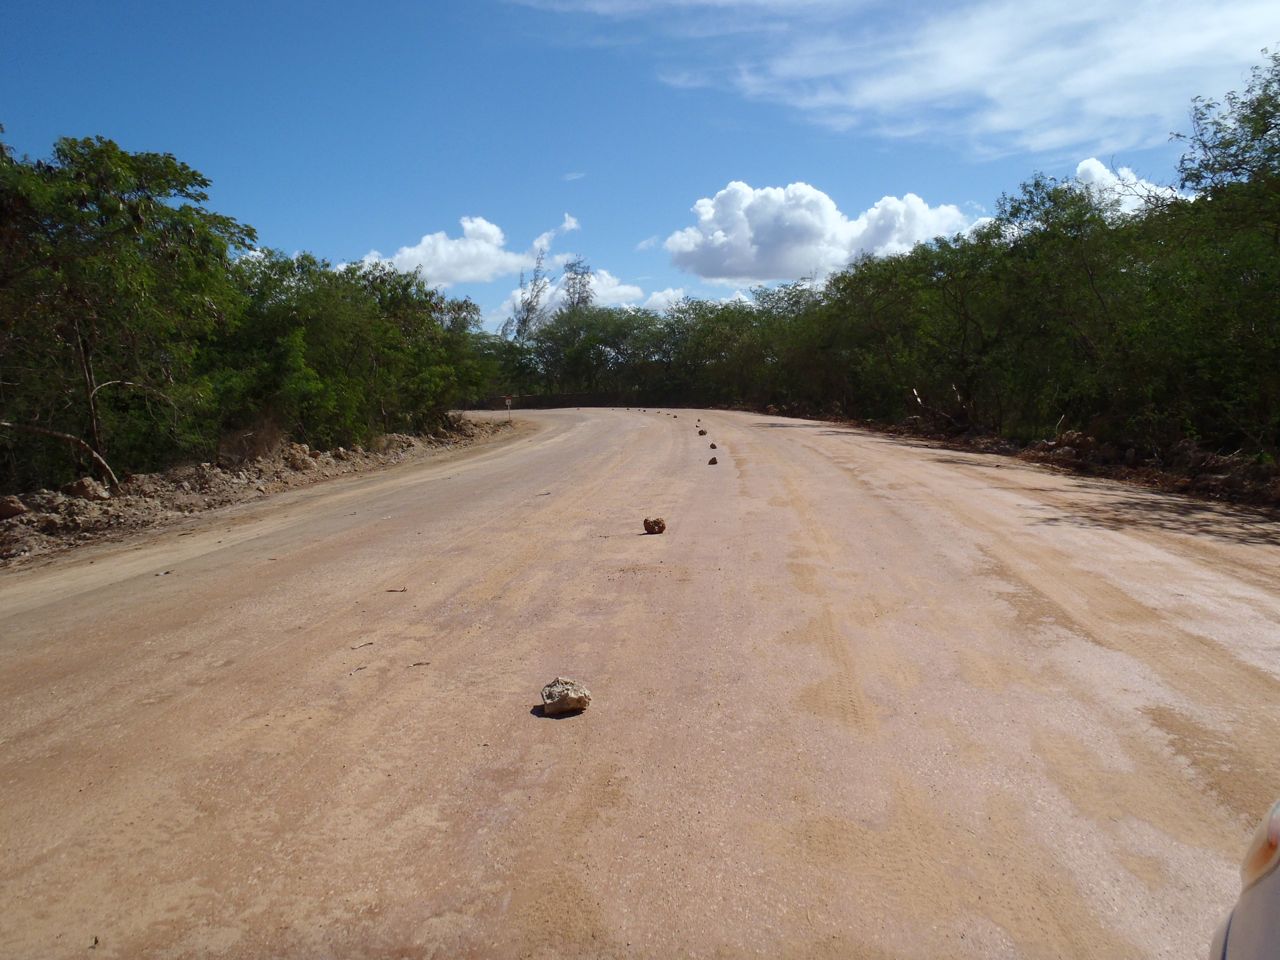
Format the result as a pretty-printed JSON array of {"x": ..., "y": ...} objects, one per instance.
[{"x": 864, "y": 698}]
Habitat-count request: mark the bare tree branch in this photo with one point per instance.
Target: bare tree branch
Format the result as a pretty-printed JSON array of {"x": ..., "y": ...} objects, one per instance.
[
  {"x": 106, "y": 467},
  {"x": 137, "y": 386}
]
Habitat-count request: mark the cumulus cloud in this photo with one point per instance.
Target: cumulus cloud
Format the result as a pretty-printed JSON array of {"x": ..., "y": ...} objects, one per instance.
[
  {"x": 749, "y": 235},
  {"x": 1129, "y": 190},
  {"x": 607, "y": 289},
  {"x": 660, "y": 300},
  {"x": 479, "y": 255}
]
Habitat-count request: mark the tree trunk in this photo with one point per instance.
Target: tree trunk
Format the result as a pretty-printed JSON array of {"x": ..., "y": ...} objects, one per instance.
[{"x": 90, "y": 386}]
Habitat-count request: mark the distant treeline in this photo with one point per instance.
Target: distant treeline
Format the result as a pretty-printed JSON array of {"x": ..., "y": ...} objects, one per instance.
[
  {"x": 138, "y": 328},
  {"x": 1063, "y": 312}
]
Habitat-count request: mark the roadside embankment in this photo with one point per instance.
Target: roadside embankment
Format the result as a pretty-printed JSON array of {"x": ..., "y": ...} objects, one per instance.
[{"x": 51, "y": 521}]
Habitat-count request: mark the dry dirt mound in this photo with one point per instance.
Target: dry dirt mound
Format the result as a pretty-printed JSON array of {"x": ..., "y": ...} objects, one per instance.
[
  {"x": 48, "y": 521},
  {"x": 1184, "y": 468}
]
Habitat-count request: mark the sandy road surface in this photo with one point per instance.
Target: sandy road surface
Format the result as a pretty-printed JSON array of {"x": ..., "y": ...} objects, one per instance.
[{"x": 864, "y": 699}]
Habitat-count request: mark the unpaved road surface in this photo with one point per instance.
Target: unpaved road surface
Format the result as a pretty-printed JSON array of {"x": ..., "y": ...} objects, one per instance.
[{"x": 865, "y": 698}]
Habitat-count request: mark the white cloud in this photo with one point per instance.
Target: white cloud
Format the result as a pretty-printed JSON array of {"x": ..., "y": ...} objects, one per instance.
[
  {"x": 574, "y": 175},
  {"x": 748, "y": 235},
  {"x": 997, "y": 75},
  {"x": 1122, "y": 184},
  {"x": 543, "y": 241},
  {"x": 479, "y": 255},
  {"x": 660, "y": 300},
  {"x": 648, "y": 243},
  {"x": 624, "y": 8},
  {"x": 1033, "y": 75},
  {"x": 607, "y": 289}
]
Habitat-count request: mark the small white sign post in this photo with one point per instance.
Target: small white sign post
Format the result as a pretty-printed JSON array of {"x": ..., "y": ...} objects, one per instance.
[{"x": 508, "y": 399}]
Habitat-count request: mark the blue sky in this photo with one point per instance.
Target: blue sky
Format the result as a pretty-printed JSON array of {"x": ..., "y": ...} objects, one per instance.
[{"x": 680, "y": 146}]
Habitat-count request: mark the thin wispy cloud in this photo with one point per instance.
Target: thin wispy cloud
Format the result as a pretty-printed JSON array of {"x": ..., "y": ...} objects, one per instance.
[
  {"x": 997, "y": 76},
  {"x": 567, "y": 225},
  {"x": 570, "y": 177},
  {"x": 631, "y": 8},
  {"x": 1035, "y": 76}
]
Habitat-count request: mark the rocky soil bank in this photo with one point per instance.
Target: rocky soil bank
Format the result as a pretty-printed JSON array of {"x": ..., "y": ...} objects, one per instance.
[
  {"x": 1186, "y": 468},
  {"x": 49, "y": 521}
]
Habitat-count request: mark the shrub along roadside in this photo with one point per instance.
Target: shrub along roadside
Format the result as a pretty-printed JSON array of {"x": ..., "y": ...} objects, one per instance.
[{"x": 139, "y": 329}]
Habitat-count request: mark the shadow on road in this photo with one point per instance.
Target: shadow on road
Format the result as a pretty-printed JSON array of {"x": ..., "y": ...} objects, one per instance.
[
  {"x": 1103, "y": 503},
  {"x": 542, "y": 714},
  {"x": 1171, "y": 514}
]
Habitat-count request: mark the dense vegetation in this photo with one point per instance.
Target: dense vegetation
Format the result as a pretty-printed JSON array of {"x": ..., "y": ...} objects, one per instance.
[
  {"x": 138, "y": 328},
  {"x": 132, "y": 334},
  {"x": 1142, "y": 328}
]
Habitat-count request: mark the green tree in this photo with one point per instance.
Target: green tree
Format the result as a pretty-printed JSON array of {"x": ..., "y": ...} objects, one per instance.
[
  {"x": 111, "y": 268},
  {"x": 1236, "y": 140}
]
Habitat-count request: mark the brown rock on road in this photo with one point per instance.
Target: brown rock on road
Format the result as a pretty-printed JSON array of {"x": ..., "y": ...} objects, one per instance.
[{"x": 868, "y": 699}]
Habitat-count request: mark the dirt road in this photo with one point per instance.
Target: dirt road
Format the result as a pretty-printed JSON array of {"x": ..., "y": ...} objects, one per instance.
[{"x": 864, "y": 698}]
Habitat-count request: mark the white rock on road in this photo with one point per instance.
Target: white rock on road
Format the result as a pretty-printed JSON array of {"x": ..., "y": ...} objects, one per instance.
[{"x": 563, "y": 695}]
